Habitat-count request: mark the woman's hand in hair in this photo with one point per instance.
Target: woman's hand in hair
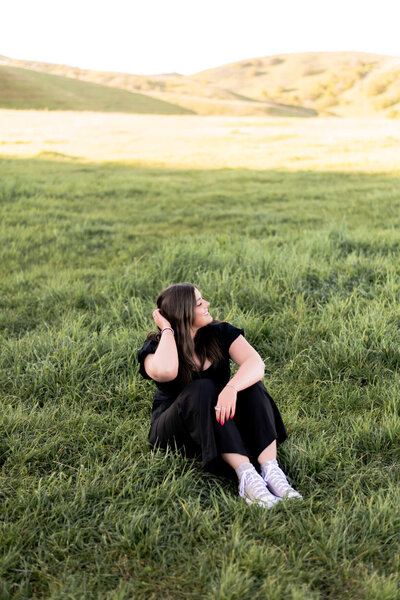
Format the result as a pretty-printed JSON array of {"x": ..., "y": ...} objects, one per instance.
[
  {"x": 227, "y": 404},
  {"x": 161, "y": 321}
]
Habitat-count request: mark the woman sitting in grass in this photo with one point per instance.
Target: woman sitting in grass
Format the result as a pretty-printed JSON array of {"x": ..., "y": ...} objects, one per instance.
[{"x": 197, "y": 406}]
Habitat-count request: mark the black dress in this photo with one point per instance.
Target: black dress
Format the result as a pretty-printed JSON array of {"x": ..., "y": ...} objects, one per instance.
[{"x": 184, "y": 416}]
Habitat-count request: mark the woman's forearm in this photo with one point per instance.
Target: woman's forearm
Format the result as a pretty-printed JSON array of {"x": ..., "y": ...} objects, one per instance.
[{"x": 251, "y": 371}]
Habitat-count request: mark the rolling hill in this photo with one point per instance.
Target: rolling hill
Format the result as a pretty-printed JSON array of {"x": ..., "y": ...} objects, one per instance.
[
  {"x": 22, "y": 88},
  {"x": 347, "y": 84}
]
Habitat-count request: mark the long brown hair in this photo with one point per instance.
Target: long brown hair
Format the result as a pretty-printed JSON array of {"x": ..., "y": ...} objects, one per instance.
[{"x": 177, "y": 303}]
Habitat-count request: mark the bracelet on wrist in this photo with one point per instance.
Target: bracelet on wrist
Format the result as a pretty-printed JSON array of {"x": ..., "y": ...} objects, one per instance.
[{"x": 168, "y": 329}]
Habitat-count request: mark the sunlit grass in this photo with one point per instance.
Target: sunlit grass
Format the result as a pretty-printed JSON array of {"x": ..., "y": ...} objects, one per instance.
[{"x": 362, "y": 145}]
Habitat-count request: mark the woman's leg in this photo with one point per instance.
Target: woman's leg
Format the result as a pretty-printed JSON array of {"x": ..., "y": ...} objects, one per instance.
[
  {"x": 190, "y": 423},
  {"x": 234, "y": 460},
  {"x": 260, "y": 424},
  {"x": 268, "y": 453}
]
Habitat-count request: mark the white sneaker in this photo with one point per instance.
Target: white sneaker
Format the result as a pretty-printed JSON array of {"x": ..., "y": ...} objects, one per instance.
[
  {"x": 253, "y": 489},
  {"x": 277, "y": 483}
]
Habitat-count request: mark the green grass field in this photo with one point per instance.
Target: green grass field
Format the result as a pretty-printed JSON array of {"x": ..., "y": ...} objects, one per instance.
[
  {"x": 27, "y": 89},
  {"x": 308, "y": 264}
]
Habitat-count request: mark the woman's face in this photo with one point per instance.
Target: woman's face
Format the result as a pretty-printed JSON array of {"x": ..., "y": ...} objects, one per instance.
[{"x": 203, "y": 317}]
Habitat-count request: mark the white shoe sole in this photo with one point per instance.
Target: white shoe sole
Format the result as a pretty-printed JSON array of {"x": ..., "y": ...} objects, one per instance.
[
  {"x": 261, "y": 503},
  {"x": 289, "y": 496}
]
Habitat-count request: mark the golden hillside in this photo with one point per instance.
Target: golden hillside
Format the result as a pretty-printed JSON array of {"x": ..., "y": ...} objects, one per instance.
[
  {"x": 302, "y": 84},
  {"x": 343, "y": 83}
]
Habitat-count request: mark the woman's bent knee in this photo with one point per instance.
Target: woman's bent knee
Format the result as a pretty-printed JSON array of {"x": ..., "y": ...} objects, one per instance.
[{"x": 255, "y": 393}]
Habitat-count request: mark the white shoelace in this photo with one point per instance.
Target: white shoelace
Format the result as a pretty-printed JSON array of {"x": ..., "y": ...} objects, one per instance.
[
  {"x": 276, "y": 480},
  {"x": 254, "y": 482}
]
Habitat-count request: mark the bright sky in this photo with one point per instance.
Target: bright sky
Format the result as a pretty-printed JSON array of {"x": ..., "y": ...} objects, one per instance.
[{"x": 165, "y": 36}]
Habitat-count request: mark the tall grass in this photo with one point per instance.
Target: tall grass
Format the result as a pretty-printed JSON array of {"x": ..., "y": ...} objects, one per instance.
[{"x": 308, "y": 264}]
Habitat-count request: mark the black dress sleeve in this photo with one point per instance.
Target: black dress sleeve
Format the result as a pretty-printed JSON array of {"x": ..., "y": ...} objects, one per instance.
[
  {"x": 228, "y": 334},
  {"x": 149, "y": 347}
]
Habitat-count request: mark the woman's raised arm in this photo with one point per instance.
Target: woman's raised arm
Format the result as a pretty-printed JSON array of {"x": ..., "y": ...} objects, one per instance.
[{"x": 163, "y": 365}]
